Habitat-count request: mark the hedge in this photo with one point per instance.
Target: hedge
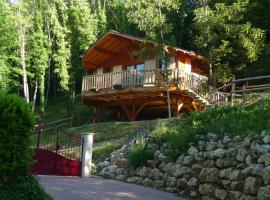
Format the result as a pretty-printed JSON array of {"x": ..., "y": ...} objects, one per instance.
[{"x": 16, "y": 128}]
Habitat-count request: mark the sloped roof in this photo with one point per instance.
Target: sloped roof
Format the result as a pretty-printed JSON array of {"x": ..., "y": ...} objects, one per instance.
[{"x": 115, "y": 47}]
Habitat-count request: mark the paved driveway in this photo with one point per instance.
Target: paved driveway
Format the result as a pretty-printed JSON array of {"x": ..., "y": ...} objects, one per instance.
[{"x": 75, "y": 188}]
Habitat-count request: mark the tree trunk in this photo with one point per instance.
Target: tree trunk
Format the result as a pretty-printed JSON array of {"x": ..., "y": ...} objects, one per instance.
[
  {"x": 35, "y": 95},
  {"x": 25, "y": 81}
]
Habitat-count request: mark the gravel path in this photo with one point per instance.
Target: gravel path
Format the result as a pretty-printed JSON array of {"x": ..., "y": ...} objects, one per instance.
[{"x": 75, "y": 188}]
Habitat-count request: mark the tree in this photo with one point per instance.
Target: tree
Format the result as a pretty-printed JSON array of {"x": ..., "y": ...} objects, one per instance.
[
  {"x": 83, "y": 26},
  {"x": 38, "y": 56},
  {"x": 22, "y": 15},
  {"x": 151, "y": 17},
  {"x": 226, "y": 38},
  {"x": 8, "y": 59}
]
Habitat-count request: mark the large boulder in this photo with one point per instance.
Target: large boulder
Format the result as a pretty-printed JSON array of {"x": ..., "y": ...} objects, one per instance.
[
  {"x": 147, "y": 182},
  {"x": 241, "y": 154},
  {"x": 143, "y": 172},
  {"x": 206, "y": 189},
  {"x": 265, "y": 159},
  {"x": 103, "y": 164},
  {"x": 182, "y": 183},
  {"x": 264, "y": 193},
  {"x": 266, "y": 175},
  {"x": 158, "y": 183},
  {"x": 253, "y": 170},
  {"x": 218, "y": 153},
  {"x": 234, "y": 195},
  {"x": 266, "y": 139},
  {"x": 209, "y": 175},
  {"x": 193, "y": 182},
  {"x": 171, "y": 182},
  {"x": 252, "y": 185},
  {"x": 155, "y": 174},
  {"x": 221, "y": 194},
  {"x": 178, "y": 170},
  {"x": 134, "y": 179},
  {"x": 192, "y": 151},
  {"x": 109, "y": 171}
]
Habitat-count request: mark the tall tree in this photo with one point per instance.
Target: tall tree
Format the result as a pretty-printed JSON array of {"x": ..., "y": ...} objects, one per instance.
[
  {"x": 38, "y": 56},
  {"x": 226, "y": 38},
  {"x": 9, "y": 71},
  {"x": 83, "y": 26},
  {"x": 23, "y": 14},
  {"x": 151, "y": 17}
]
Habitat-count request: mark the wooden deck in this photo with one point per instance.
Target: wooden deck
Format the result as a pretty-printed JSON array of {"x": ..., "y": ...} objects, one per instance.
[
  {"x": 136, "y": 90},
  {"x": 141, "y": 80}
]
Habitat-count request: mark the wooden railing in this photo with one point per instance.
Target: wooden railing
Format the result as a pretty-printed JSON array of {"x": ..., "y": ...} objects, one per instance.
[
  {"x": 237, "y": 89},
  {"x": 144, "y": 78}
]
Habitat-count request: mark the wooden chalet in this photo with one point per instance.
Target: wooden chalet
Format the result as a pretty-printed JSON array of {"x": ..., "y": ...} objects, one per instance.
[{"x": 134, "y": 86}]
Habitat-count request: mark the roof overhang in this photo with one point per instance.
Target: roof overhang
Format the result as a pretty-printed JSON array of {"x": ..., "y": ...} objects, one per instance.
[{"x": 116, "y": 48}]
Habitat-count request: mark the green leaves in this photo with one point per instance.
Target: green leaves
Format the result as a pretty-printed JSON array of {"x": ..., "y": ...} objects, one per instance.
[
  {"x": 227, "y": 38},
  {"x": 8, "y": 45},
  {"x": 151, "y": 16}
]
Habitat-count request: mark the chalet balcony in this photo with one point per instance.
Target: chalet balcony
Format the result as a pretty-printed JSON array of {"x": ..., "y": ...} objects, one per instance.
[{"x": 141, "y": 80}]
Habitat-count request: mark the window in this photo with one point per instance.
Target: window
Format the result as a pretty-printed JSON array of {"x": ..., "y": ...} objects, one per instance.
[
  {"x": 135, "y": 77},
  {"x": 162, "y": 65},
  {"x": 137, "y": 66}
]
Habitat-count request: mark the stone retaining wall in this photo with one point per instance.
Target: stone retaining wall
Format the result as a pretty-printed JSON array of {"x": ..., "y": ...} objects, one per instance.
[{"x": 215, "y": 168}]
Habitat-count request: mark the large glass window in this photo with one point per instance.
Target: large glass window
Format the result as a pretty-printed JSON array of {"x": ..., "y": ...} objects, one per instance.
[
  {"x": 137, "y": 66},
  {"x": 135, "y": 77}
]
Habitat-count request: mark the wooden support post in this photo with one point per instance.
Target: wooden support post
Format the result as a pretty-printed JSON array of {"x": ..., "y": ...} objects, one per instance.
[
  {"x": 96, "y": 115},
  {"x": 233, "y": 89},
  {"x": 177, "y": 108},
  {"x": 194, "y": 106},
  {"x": 244, "y": 94},
  {"x": 133, "y": 112}
]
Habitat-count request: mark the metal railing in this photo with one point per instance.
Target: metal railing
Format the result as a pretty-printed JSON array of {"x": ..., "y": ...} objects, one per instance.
[{"x": 53, "y": 137}]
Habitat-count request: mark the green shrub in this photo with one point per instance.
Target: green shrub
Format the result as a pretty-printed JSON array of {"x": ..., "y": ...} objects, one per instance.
[
  {"x": 229, "y": 120},
  {"x": 17, "y": 122},
  {"x": 160, "y": 132},
  {"x": 138, "y": 155},
  {"x": 22, "y": 187}
]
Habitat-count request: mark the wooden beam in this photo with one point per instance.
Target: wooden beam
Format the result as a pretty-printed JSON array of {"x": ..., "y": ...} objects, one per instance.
[
  {"x": 195, "y": 106},
  {"x": 177, "y": 108},
  {"x": 104, "y": 51},
  {"x": 133, "y": 112},
  {"x": 124, "y": 47}
]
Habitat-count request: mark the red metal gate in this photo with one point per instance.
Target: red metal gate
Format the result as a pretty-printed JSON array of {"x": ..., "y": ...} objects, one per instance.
[{"x": 58, "y": 152}]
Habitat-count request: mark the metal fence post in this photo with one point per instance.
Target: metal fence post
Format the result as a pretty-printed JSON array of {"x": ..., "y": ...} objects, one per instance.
[
  {"x": 38, "y": 136},
  {"x": 86, "y": 157}
]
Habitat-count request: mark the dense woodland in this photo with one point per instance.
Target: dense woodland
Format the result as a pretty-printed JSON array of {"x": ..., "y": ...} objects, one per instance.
[{"x": 42, "y": 41}]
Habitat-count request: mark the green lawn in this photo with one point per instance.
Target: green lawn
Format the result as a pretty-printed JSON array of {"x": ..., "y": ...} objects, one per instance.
[{"x": 110, "y": 136}]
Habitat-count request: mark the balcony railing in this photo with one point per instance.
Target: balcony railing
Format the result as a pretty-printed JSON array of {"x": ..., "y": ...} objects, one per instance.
[{"x": 144, "y": 78}]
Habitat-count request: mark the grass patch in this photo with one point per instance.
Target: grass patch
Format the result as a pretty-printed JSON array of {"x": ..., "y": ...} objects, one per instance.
[
  {"x": 57, "y": 109},
  {"x": 109, "y": 136},
  {"x": 222, "y": 121}
]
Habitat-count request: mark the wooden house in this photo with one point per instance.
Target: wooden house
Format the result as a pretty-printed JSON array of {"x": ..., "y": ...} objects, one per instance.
[{"x": 133, "y": 85}]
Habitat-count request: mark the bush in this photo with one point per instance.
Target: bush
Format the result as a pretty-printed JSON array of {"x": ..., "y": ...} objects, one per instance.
[
  {"x": 138, "y": 155},
  {"x": 17, "y": 122},
  {"x": 230, "y": 121},
  {"x": 22, "y": 187},
  {"x": 160, "y": 132}
]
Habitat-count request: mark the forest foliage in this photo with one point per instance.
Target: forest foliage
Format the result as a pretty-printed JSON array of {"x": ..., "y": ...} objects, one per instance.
[{"x": 42, "y": 42}]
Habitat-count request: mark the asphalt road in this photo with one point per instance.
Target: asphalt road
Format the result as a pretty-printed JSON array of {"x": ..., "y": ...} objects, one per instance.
[{"x": 75, "y": 188}]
